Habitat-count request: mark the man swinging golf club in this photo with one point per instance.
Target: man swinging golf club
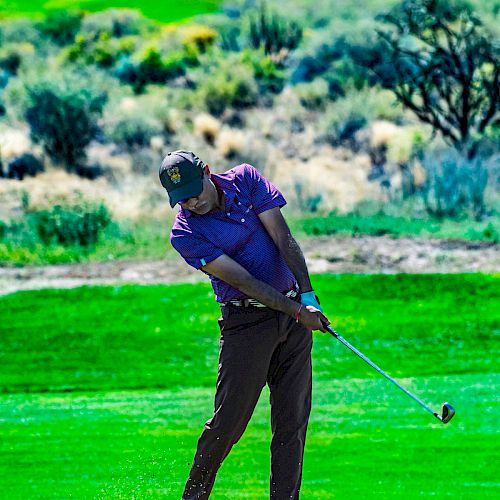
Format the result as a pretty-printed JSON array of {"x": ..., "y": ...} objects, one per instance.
[{"x": 230, "y": 227}]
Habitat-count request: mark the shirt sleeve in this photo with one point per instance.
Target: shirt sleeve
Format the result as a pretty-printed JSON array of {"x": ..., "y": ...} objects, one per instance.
[
  {"x": 194, "y": 249},
  {"x": 264, "y": 194}
]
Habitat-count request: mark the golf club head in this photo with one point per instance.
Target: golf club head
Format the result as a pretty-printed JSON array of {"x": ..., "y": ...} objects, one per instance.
[{"x": 447, "y": 413}]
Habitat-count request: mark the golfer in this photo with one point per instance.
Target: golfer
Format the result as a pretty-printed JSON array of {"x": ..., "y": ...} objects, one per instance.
[{"x": 230, "y": 227}]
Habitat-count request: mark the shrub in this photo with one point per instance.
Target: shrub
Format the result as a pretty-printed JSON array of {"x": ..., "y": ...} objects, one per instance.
[
  {"x": 454, "y": 185},
  {"x": 12, "y": 55},
  {"x": 200, "y": 36},
  {"x": 307, "y": 202},
  {"x": 116, "y": 23},
  {"x": 133, "y": 130},
  {"x": 61, "y": 25},
  {"x": 20, "y": 30},
  {"x": 63, "y": 118},
  {"x": 3, "y": 229},
  {"x": 230, "y": 85},
  {"x": 229, "y": 37},
  {"x": 150, "y": 67},
  {"x": 268, "y": 75},
  {"x": 80, "y": 224},
  {"x": 335, "y": 58},
  {"x": 103, "y": 51},
  {"x": 144, "y": 162},
  {"x": 10, "y": 62},
  {"x": 24, "y": 165},
  {"x": 313, "y": 95},
  {"x": 342, "y": 132},
  {"x": 272, "y": 32},
  {"x": 350, "y": 113}
]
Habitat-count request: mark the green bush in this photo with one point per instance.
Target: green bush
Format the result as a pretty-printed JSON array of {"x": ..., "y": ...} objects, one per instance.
[
  {"x": 272, "y": 32},
  {"x": 229, "y": 84},
  {"x": 268, "y": 75},
  {"x": 80, "y": 224},
  {"x": 342, "y": 132},
  {"x": 12, "y": 56},
  {"x": 10, "y": 62},
  {"x": 61, "y": 26},
  {"x": 19, "y": 30},
  {"x": 63, "y": 117},
  {"x": 313, "y": 95},
  {"x": 115, "y": 23},
  {"x": 455, "y": 185},
  {"x": 133, "y": 130},
  {"x": 103, "y": 51},
  {"x": 152, "y": 67}
]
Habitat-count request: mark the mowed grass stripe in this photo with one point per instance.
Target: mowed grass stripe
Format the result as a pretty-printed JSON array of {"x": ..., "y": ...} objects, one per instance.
[
  {"x": 136, "y": 337},
  {"x": 166, "y": 11},
  {"x": 365, "y": 439},
  {"x": 438, "y": 334}
]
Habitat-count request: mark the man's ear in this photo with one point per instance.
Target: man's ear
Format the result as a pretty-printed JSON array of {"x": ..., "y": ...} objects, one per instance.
[{"x": 206, "y": 169}]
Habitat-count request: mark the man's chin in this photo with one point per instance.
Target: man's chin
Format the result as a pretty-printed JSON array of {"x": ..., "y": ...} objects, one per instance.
[{"x": 202, "y": 210}]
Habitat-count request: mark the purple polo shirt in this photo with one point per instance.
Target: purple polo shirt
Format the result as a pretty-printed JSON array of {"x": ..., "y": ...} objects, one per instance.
[{"x": 237, "y": 232}]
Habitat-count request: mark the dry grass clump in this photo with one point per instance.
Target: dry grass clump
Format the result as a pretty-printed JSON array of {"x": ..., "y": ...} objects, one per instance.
[
  {"x": 135, "y": 197},
  {"x": 157, "y": 144},
  {"x": 382, "y": 133},
  {"x": 207, "y": 126},
  {"x": 325, "y": 182},
  {"x": 230, "y": 142},
  {"x": 13, "y": 143},
  {"x": 419, "y": 174},
  {"x": 106, "y": 156},
  {"x": 199, "y": 35}
]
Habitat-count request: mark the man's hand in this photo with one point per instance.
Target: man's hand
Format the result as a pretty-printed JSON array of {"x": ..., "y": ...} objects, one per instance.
[{"x": 313, "y": 319}]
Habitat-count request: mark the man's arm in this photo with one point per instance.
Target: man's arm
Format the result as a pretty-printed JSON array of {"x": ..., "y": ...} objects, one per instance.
[
  {"x": 238, "y": 277},
  {"x": 277, "y": 228}
]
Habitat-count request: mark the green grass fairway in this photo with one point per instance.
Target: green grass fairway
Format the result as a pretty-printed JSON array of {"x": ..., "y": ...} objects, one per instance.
[
  {"x": 164, "y": 11},
  {"x": 104, "y": 391}
]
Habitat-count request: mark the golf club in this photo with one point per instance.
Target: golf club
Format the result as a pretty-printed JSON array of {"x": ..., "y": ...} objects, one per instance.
[{"x": 447, "y": 411}]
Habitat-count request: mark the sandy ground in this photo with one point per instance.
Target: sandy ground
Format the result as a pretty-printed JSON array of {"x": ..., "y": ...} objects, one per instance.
[{"x": 324, "y": 254}]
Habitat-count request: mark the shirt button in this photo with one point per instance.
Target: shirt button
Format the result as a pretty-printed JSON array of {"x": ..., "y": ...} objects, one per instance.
[
  {"x": 242, "y": 220},
  {"x": 229, "y": 213},
  {"x": 239, "y": 203}
]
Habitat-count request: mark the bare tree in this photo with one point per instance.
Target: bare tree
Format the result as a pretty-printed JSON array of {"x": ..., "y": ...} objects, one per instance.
[{"x": 443, "y": 64}]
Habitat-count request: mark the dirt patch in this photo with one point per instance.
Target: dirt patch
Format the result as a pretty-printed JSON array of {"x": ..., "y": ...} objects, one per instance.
[{"x": 324, "y": 254}]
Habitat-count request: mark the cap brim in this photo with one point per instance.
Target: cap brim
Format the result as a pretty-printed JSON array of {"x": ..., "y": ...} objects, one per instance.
[{"x": 194, "y": 188}]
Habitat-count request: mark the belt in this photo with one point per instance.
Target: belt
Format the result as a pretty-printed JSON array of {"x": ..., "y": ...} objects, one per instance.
[{"x": 291, "y": 294}]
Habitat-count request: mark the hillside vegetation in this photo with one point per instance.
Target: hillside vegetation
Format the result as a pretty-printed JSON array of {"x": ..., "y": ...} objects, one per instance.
[{"x": 91, "y": 101}]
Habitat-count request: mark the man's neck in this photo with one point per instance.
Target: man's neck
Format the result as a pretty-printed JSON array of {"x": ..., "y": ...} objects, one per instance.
[{"x": 221, "y": 199}]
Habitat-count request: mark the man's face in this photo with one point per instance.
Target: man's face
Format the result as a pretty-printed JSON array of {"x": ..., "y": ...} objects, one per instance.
[{"x": 205, "y": 201}]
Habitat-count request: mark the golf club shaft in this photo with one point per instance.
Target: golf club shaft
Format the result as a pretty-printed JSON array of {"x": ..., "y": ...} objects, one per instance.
[{"x": 382, "y": 372}]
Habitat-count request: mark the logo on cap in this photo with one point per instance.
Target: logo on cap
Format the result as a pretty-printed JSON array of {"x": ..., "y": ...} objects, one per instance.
[{"x": 174, "y": 174}]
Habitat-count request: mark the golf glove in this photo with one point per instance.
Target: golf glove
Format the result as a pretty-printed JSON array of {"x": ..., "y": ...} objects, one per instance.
[{"x": 310, "y": 299}]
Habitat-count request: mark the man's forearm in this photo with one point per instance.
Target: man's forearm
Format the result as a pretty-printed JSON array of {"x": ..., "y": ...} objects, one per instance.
[
  {"x": 267, "y": 295},
  {"x": 292, "y": 253}
]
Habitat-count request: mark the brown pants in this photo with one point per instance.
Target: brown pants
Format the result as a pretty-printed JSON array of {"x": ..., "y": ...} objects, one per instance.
[{"x": 257, "y": 346}]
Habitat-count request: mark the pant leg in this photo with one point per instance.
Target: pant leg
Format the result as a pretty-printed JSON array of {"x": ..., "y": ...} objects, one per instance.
[
  {"x": 290, "y": 382},
  {"x": 248, "y": 339}
]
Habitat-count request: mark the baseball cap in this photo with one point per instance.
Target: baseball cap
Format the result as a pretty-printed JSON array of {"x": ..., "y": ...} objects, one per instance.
[{"x": 181, "y": 174}]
